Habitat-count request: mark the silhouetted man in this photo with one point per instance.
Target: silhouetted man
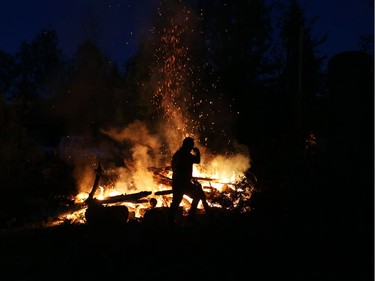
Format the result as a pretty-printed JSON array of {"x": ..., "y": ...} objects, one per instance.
[{"x": 182, "y": 179}]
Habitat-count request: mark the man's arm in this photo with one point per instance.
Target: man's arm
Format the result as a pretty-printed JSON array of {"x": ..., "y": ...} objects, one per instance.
[{"x": 197, "y": 158}]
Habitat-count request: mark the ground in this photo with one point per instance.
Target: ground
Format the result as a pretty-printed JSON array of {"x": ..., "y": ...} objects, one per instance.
[{"x": 225, "y": 246}]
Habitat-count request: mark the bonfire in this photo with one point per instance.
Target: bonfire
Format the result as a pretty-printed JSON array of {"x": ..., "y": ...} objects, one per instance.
[{"x": 185, "y": 107}]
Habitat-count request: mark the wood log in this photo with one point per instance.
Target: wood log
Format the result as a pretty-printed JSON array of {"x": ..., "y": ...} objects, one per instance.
[
  {"x": 209, "y": 180},
  {"x": 135, "y": 197},
  {"x": 98, "y": 215},
  {"x": 155, "y": 217},
  {"x": 163, "y": 192},
  {"x": 162, "y": 179},
  {"x": 99, "y": 173}
]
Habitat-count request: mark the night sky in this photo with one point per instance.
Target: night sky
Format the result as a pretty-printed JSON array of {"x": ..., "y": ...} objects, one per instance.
[{"x": 117, "y": 26}]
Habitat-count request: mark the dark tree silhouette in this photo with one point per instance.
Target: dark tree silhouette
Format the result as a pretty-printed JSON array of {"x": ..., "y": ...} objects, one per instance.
[
  {"x": 293, "y": 95},
  {"x": 86, "y": 103},
  {"x": 39, "y": 66},
  {"x": 7, "y": 73},
  {"x": 237, "y": 40},
  {"x": 38, "y": 76},
  {"x": 348, "y": 181},
  {"x": 300, "y": 75}
]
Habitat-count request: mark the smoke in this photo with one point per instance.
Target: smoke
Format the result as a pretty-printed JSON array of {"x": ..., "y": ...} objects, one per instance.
[
  {"x": 144, "y": 154},
  {"x": 84, "y": 176},
  {"x": 137, "y": 135}
]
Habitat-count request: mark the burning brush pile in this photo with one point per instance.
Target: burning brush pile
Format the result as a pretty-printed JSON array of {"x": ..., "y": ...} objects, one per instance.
[
  {"x": 181, "y": 104},
  {"x": 120, "y": 201}
]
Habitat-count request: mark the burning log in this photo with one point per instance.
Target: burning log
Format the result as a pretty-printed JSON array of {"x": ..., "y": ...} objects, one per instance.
[
  {"x": 155, "y": 217},
  {"x": 99, "y": 173},
  {"x": 135, "y": 197},
  {"x": 209, "y": 180},
  {"x": 163, "y": 180},
  {"x": 111, "y": 199},
  {"x": 163, "y": 192},
  {"x": 160, "y": 177},
  {"x": 99, "y": 215}
]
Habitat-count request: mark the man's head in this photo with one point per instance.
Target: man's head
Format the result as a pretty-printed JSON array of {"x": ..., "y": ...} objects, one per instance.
[{"x": 188, "y": 143}]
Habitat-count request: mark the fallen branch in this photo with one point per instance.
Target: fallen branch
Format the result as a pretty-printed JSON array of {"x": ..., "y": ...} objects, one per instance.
[
  {"x": 163, "y": 192},
  {"x": 135, "y": 197}
]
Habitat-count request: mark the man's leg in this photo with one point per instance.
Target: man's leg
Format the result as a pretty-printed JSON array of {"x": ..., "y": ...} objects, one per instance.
[
  {"x": 176, "y": 200},
  {"x": 202, "y": 197},
  {"x": 196, "y": 196},
  {"x": 199, "y": 193},
  {"x": 193, "y": 207}
]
